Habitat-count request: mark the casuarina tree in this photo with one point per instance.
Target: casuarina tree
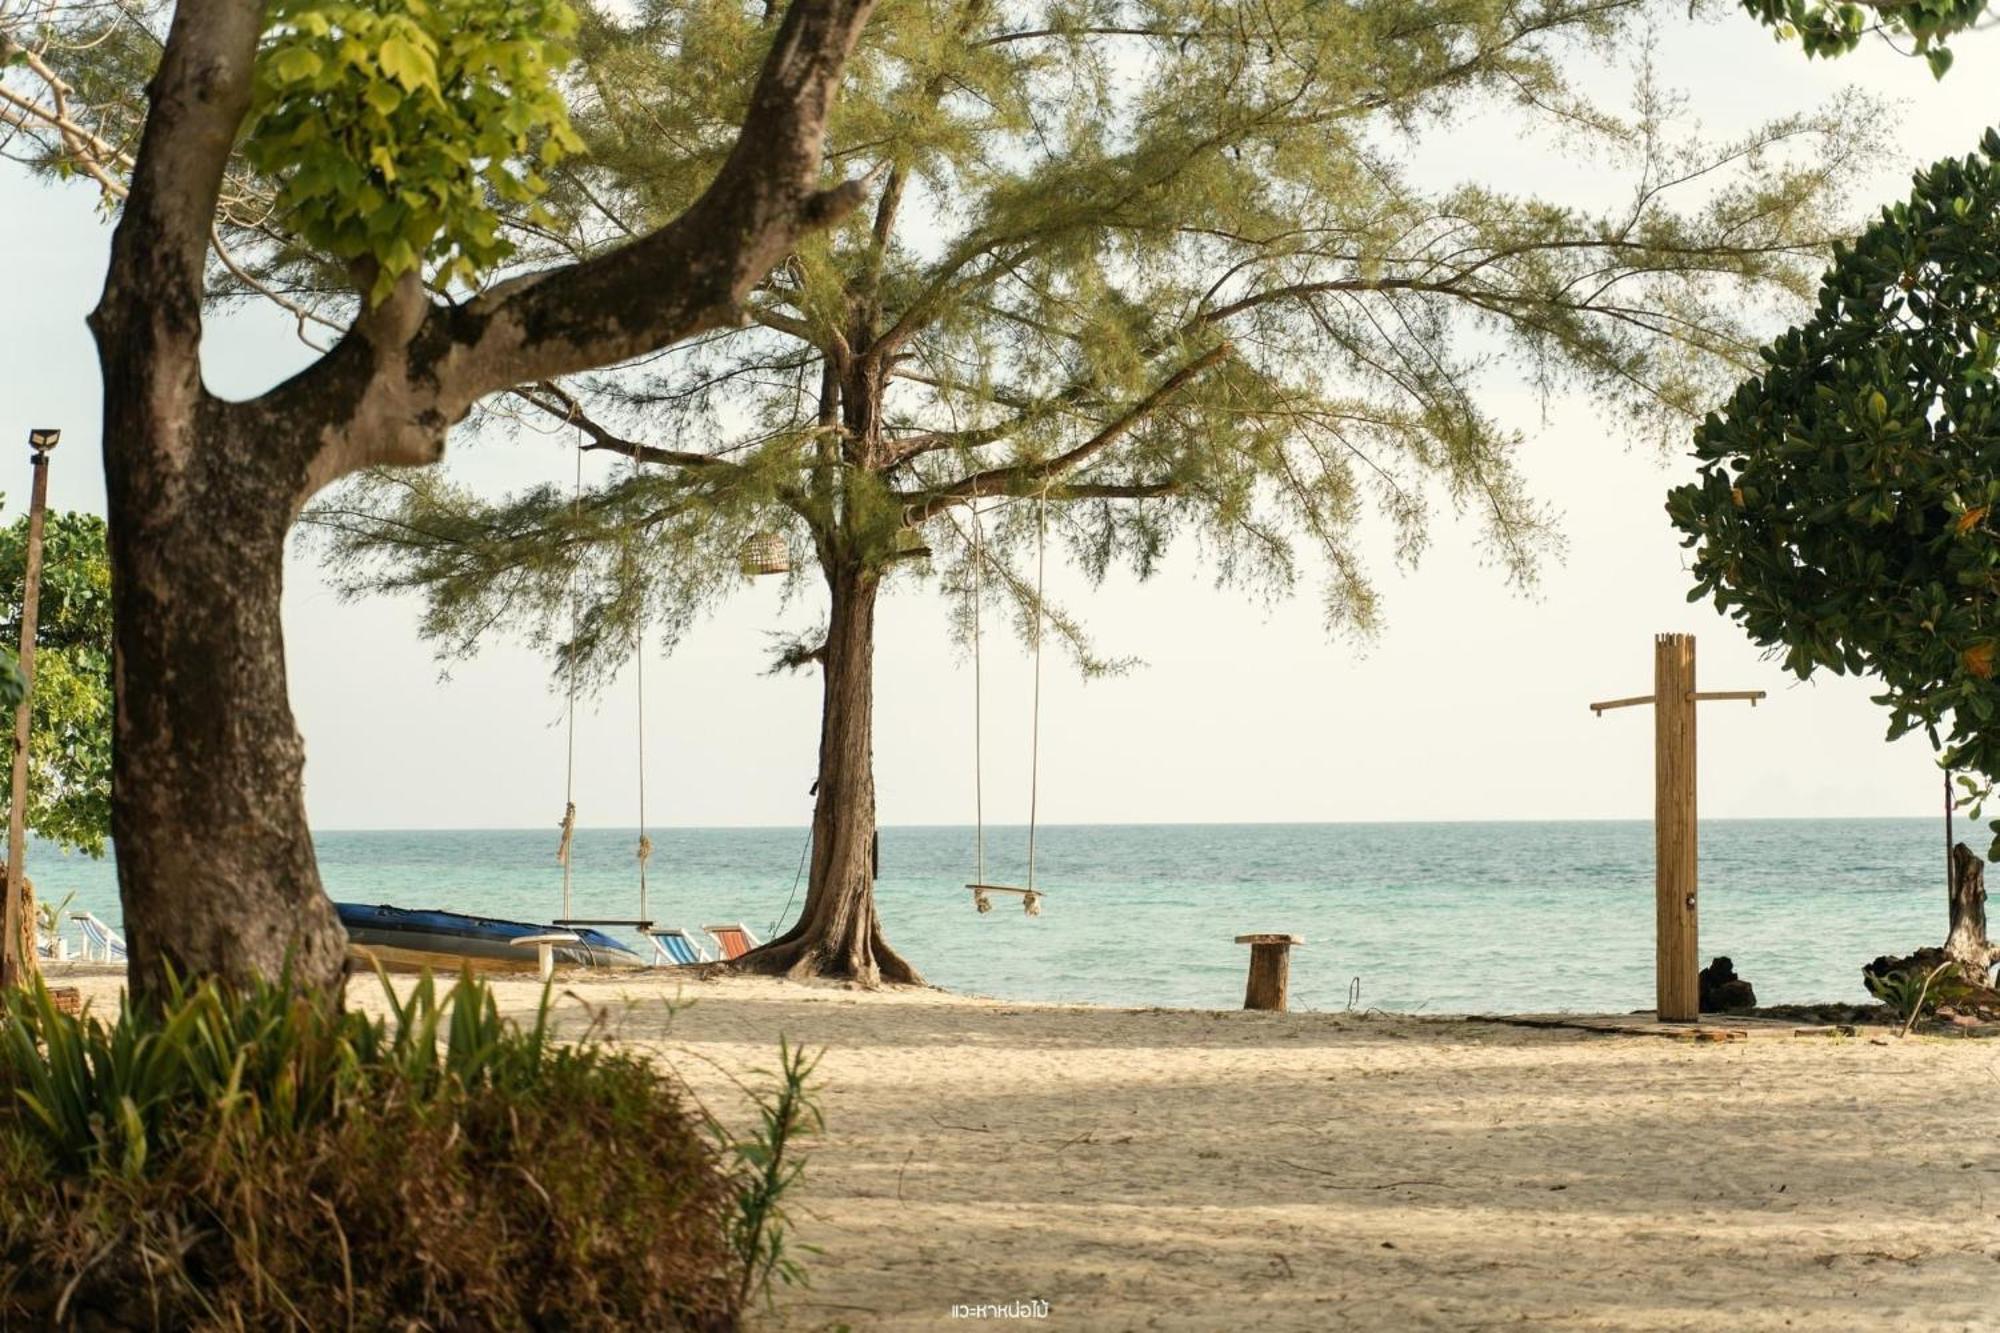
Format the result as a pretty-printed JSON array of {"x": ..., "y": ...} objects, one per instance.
[
  {"x": 385, "y": 140},
  {"x": 1145, "y": 270}
]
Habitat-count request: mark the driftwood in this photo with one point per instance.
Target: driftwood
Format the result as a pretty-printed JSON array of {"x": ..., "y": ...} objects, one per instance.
[
  {"x": 1960, "y": 972},
  {"x": 1966, "y": 943}
]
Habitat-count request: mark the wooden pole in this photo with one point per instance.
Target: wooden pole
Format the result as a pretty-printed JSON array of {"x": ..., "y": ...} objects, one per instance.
[
  {"x": 1677, "y": 960},
  {"x": 16, "y": 962}
]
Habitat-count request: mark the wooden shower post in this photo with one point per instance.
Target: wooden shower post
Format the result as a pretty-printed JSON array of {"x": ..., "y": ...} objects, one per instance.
[{"x": 1676, "y": 957}]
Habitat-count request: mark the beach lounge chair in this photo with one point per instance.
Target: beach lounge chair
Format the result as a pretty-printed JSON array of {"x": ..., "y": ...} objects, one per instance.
[
  {"x": 732, "y": 941},
  {"x": 107, "y": 943},
  {"x": 674, "y": 947}
]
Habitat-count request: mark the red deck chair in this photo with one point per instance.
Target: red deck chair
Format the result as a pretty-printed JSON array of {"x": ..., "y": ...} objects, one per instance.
[{"x": 731, "y": 941}]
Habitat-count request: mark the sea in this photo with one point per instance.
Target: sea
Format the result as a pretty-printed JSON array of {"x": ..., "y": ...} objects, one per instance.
[{"x": 1458, "y": 917}]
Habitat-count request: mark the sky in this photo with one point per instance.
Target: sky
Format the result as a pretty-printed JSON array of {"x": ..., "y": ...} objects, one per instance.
[{"x": 1471, "y": 704}]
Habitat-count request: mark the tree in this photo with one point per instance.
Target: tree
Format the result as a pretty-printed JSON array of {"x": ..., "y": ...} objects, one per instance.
[
  {"x": 1844, "y": 510},
  {"x": 1844, "y": 507},
  {"x": 69, "y": 746},
  {"x": 387, "y": 134},
  {"x": 1162, "y": 269},
  {"x": 1834, "y": 28}
]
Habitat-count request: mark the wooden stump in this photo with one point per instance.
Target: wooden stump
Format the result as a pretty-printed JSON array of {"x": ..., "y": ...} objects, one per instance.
[{"x": 1270, "y": 970}]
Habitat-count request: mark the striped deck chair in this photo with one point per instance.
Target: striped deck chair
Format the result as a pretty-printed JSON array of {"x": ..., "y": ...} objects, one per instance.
[
  {"x": 108, "y": 943},
  {"x": 732, "y": 941},
  {"x": 674, "y": 947}
]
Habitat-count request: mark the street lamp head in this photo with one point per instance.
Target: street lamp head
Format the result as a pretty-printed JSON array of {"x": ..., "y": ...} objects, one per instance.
[{"x": 41, "y": 441}]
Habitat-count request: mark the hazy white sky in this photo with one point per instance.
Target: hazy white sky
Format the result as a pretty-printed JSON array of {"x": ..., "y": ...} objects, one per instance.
[{"x": 1470, "y": 706}]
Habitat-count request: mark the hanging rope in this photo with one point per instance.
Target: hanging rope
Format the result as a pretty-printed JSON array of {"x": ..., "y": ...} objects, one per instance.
[
  {"x": 1033, "y": 900},
  {"x": 639, "y": 674},
  {"x": 978, "y": 713},
  {"x": 569, "y": 721}
]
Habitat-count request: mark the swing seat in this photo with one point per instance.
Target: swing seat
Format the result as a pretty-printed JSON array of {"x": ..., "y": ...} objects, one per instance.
[{"x": 1031, "y": 899}]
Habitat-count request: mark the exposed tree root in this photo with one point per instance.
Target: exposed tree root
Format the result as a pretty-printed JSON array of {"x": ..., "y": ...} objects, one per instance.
[{"x": 799, "y": 955}]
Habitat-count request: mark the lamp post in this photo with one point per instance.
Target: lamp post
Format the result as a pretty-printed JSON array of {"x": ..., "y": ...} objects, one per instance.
[{"x": 17, "y": 961}]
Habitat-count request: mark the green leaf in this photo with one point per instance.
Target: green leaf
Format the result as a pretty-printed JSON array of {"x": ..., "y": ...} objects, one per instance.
[
  {"x": 406, "y": 63},
  {"x": 296, "y": 64}
]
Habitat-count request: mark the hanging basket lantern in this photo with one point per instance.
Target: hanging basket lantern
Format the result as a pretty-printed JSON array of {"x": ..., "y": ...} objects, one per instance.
[{"x": 766, "y": 553}]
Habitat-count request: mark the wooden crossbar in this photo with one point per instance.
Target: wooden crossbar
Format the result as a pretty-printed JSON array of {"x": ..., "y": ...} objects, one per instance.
[
  {"x": 1006, "y": 888},
  {"x": 1621, "y": 703},
  {"x": 1695, "y": 696}
]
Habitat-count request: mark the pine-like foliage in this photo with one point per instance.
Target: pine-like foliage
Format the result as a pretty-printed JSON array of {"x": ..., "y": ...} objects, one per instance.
[{"x": 1168, "y": 266}]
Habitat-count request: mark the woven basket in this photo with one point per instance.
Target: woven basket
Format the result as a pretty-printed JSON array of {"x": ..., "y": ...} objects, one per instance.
[
  {"x": 766, "y": 553},
  {"x": 68, "y": 999}
]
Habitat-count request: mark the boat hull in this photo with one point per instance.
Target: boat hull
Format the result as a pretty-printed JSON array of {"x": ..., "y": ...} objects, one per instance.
[{"x": 401, "y": 939}]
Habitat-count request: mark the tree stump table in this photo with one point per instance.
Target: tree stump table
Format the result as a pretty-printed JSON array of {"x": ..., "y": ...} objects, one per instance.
[
  {"x": 1270, "y": 970},
  {"x": 544, "y": 946}
]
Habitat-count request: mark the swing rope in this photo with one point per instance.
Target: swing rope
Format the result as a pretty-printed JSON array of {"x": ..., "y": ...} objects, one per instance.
[
  {"x": 1031, "y": 898},
  {"x": 639, "y": 674},
  {"x": 1031, "y": 902},
  {"x": 569, "y": 720},
  {"x": 978, "y": 712},
  {"x": 1035, "y": 715}
]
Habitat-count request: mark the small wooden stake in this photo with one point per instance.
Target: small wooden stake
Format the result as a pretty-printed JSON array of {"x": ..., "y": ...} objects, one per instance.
[{"x": 1270, "y": 970}]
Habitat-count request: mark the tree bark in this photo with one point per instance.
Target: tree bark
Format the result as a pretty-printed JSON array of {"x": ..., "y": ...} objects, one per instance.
[
  {"x": 838, "y": 934},
  {"x": 215, "y": 858}
]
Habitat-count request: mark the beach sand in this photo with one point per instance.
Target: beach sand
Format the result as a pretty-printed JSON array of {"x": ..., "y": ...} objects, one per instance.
[{"x": 1175, "y": 1169}]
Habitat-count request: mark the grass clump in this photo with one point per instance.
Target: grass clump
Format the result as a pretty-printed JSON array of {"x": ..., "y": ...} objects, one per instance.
[{"x": 252, "y": 1159}]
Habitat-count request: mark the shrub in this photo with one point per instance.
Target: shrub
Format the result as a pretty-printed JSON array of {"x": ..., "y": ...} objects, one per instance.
[{"x": 250, "y": 1159}]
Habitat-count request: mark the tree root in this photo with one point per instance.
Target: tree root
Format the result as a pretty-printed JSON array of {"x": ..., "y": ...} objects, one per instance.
[{"x": 798, "y": 956}]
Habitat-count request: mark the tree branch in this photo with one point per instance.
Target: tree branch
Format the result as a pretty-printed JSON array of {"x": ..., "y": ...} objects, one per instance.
[
  {"x": 199, "y": 96},
  {"x": 694, "y": 273},
  {"x": 1005, "y": 480}
]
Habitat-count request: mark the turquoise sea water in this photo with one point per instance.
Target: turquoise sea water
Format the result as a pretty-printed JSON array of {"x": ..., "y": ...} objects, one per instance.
[{"x": 1445, "y": 917}]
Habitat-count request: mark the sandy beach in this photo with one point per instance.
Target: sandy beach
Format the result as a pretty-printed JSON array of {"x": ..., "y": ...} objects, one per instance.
[{"x": 1174, "y": 1169}]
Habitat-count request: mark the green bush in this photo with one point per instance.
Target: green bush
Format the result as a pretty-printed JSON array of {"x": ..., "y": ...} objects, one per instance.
[{"x": 249, "y": 1159}]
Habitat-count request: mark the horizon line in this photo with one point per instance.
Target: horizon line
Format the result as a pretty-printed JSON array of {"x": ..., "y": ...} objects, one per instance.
[{"x": 1135, "y": 824}]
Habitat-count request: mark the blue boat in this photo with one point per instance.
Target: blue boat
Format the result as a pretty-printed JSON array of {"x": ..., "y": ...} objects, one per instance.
[{"x": 403, "y": 939}]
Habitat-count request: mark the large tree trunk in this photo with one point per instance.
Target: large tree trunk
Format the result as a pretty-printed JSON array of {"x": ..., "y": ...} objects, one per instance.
[
  {"x": 838, "y": 934},
  {"x": 215, "y": 859}
]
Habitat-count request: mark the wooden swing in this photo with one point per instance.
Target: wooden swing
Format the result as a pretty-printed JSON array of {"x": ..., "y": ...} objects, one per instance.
[
  {"x": 1031, "y": 897},
  {"x": 643, "y": 923}
]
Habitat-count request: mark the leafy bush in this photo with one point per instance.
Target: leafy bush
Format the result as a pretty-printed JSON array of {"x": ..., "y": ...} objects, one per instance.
[
  {"x": 1907, "y": 994},
  {"x": 394, "y": 126},
  {"x": 248, "y": 1159},
  {"x": 1847, "y": 508}
]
